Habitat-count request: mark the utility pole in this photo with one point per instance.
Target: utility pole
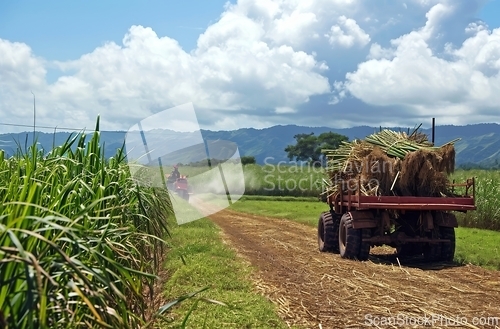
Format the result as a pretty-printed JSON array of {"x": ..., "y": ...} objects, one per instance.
[{"x": 433, "y": 129}]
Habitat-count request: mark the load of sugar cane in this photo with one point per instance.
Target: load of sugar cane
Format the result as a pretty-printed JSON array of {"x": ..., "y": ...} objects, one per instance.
[{"x": 391, "y": 163}]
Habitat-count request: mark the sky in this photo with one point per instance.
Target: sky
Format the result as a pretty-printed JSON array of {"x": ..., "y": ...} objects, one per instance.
[{"x": 249, "y": 63}]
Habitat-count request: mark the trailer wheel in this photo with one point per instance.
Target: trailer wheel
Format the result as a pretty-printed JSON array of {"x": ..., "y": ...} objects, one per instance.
[
  {"x": 328, "y": 232},
  {"x": 432, "y": 252},
  {"x": 364, "y": 249},
  {"x": 349, "y": 238},
  {"x": 447, "y": 249}
]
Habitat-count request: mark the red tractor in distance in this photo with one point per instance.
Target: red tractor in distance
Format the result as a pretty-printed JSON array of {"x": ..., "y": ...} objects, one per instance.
[{"x": 178, "y": 184}]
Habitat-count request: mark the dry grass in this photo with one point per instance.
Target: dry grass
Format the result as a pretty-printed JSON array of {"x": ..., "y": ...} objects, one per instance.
[{"x": 390, "y": 163}]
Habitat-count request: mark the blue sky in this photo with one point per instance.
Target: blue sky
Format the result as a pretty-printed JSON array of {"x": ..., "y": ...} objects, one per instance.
[
  {"x": 63, "y": 30},
  {"x": 335, "y": 63},
  {"x": 490, "y": 13}
]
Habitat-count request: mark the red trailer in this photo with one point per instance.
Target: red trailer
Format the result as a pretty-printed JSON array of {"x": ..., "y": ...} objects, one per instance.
[{"x": 413, "y": 225}]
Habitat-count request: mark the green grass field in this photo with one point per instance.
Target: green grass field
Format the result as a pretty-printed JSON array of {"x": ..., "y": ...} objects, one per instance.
[
  {"x": 283, "y": 180},
  {"x": 487, "y": 215},
  {"x": 199, "y": 259},
  {"x": 279, "y": 180},
  {"x": 479, "y": 247},
  {"x": 475, "y": 246}
]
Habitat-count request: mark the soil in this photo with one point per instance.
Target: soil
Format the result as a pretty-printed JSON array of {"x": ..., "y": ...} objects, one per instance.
[{"x": 322, "y": 290}]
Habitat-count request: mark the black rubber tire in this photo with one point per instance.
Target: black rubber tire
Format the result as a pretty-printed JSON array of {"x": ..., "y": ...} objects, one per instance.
[
  {"x": 447, "y": 249},
  {"x": 432, "y": 252},
  {"x": 328, "y": 232},
  {"x": 349, "y": 238},
  {"x": 364, "y": 249}
]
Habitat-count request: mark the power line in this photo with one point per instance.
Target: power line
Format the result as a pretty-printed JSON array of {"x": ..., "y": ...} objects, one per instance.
[
  {"x": 21, "y": 125},
  {"x": 47, "y": 127}
]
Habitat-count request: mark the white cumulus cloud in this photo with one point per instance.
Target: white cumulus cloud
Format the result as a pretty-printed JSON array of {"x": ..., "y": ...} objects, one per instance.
[
  {"x": 232, "y": 69},
  {"x": 347, "y": 33},
  {"x": 411, "y": 75}
]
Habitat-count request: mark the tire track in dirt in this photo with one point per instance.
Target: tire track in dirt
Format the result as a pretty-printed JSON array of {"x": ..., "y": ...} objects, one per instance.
[{"x": 322, "y": 290}]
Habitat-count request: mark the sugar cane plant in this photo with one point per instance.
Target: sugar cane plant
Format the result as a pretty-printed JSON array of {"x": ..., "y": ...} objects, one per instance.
[{"x": 79, "y": 241}]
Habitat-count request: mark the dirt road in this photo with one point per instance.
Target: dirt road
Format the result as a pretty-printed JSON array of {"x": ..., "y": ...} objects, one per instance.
[{"x": 321, "y": 290}]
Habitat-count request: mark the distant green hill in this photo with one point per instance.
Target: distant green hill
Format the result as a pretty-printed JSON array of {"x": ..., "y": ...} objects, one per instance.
[{"x": 479, "y": 144}]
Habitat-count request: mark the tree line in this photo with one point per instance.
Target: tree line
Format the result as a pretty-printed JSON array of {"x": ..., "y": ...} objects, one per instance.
[{"x": 308, "y": 147}]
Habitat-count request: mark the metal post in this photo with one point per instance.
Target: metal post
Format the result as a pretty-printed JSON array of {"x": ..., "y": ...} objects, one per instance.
[{"x": 433, "y": 129}]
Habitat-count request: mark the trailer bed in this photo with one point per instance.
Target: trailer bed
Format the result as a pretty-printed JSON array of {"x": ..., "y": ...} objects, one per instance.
[{"x": 351, "y": 201}]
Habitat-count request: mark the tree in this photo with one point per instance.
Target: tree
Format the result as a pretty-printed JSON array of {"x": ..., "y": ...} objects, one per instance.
[
  {"x": 308, "y": 147},
  {"x": 247, "y": 160}
]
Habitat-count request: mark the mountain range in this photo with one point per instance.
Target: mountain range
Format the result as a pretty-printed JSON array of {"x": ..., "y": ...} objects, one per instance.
[{"x": 479, "y": 144}]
